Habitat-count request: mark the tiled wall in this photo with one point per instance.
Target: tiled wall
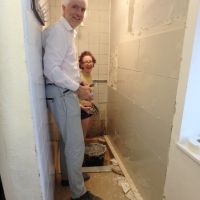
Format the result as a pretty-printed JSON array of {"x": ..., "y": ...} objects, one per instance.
[
  {"x": 93, "y": 34},
  {"x": 55, "y": 10},
  {"x": 145, "y": 61}
]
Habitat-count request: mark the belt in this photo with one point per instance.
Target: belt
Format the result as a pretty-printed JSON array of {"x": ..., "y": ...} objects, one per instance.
[{"x": 65, "y": 91}]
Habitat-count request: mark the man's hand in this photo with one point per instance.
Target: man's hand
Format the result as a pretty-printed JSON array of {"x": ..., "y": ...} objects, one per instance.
[
  {"x": 86, "y": 105},
  {"x": 85, "y": 92}
]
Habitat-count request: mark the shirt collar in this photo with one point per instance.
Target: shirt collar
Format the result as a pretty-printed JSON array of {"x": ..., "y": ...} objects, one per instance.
[{"x": 68, "y": 26}]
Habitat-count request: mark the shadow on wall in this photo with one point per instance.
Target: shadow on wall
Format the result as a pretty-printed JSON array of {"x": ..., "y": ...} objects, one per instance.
[{"x": 2, "y": 197}]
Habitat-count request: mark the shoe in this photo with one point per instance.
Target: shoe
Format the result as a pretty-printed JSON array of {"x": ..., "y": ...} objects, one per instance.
[
  {"x": 88, "y": 196},
  {"x": 66, "y": 182}
]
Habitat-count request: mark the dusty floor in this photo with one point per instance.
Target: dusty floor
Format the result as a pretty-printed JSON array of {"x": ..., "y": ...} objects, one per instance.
[{"x": 103, "y": 184}]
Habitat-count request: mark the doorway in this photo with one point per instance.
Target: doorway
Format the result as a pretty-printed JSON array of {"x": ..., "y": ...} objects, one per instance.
[{"x": 2, "y": 196}]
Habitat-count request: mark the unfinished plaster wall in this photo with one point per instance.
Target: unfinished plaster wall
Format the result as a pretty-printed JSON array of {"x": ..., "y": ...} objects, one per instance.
[{"x": 146, "y": 46}]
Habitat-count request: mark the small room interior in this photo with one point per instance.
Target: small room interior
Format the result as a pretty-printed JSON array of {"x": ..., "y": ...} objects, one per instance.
[{"x": 146, "y": 89}]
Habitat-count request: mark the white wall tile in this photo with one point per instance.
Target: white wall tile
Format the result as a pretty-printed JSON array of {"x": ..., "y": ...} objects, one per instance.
[{"x": 103, "y": 69}]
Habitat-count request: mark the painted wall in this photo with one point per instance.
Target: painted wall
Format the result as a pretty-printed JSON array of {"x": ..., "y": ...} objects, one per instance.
[
  {"x": 25, "y": 161},
  {"x": 146, "y": 46},
  {"x": 183, "y": 177},
  {"x": 33, "y": 48}
]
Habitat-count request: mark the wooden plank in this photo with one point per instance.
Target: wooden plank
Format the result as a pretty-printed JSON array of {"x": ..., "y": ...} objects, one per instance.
[{"x": 106, "y": 168}]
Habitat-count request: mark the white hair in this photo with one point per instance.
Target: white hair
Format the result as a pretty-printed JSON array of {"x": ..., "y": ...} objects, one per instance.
[{"x": 65, "y": 2}]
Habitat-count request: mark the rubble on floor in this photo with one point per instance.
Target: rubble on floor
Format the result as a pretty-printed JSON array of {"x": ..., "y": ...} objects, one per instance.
[{"x": 121, "y": 180}]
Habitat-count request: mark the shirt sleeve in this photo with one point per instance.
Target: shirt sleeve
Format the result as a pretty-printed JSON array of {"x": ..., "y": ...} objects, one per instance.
[{"x": 55, "y": 50}]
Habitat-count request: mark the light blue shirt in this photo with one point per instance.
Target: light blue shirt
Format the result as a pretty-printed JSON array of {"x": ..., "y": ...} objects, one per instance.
[{"x": 60, "y": 58}]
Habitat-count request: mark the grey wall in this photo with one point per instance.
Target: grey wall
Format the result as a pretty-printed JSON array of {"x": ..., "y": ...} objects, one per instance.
[{"x": 146, "y": 46}]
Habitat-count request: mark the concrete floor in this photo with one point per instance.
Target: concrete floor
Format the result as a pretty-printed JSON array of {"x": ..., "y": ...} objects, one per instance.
[{"x": 103, "y": 184}]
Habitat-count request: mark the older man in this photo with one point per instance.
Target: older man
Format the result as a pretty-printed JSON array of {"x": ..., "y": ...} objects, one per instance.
[{"x": 62, "y": 87}]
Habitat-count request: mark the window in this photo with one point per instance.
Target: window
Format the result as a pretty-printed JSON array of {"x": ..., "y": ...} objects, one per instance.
[{"x": 190, "y": 73}]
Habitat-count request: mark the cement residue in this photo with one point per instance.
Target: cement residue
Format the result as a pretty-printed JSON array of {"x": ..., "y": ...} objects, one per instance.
[{"x": 95, "y": 149}]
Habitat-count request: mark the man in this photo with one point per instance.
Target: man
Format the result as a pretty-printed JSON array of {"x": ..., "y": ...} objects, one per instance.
[{"x": 62, "y": 87}]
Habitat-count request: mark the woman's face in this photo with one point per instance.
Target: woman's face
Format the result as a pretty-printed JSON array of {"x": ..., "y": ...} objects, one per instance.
[{"x": 87, "y": 64}]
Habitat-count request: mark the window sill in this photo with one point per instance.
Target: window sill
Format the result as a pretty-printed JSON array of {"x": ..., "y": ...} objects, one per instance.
[{"x": 185, "y": 148}]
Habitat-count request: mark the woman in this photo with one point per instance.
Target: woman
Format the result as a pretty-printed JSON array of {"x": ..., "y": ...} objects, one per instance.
[{"x": 86, "y": 64}]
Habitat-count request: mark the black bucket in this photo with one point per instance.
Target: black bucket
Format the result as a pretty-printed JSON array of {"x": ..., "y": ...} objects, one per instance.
[{"x": 94, "y": 155}]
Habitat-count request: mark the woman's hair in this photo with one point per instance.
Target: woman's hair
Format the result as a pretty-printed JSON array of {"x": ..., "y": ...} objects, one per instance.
[{"x": 83, "y": 54}]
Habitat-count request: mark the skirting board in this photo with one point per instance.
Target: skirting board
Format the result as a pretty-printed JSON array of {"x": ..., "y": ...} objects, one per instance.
[{"x": 128, "y": 178}]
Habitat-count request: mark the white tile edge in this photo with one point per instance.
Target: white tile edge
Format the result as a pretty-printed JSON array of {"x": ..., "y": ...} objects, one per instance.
[{"x": 195, "y": 157}]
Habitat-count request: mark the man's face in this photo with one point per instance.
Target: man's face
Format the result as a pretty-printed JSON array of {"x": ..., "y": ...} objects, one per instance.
[{"x": 74, "y": 12}]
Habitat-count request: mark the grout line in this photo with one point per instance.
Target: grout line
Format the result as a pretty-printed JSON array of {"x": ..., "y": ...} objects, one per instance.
[{"x": 124, "y": 170}]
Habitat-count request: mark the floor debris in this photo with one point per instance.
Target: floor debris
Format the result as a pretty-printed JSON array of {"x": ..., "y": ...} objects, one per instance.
[
  {"x": 121, "y": 180},
  {"x": 102, "y": 140},
  {"x": 125, "y": 186},
  {"x": 114, "y": 161},
  {"x": 117, "y": 170},
  {"x": 130, "y": 195}
]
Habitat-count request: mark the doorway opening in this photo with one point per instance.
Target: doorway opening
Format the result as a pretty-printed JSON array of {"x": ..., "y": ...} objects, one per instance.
[{"x": 2, "y": 196}]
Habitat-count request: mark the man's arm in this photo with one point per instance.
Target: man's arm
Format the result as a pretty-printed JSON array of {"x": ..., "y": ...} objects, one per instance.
[
  {"x": 55, "y": 50},
  {"x": 85, "y": 92}
]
